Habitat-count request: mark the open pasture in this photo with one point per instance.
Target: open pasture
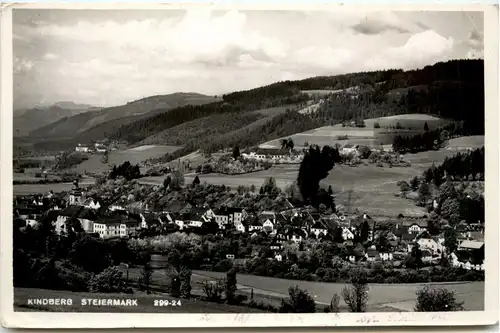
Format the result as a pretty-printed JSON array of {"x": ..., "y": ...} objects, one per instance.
[
  {"x": 408, "y": 121},
  {"x": 400, "y": 297},
  {"x": 27, "y": 189},
  {"x": 133, "y": 155}
]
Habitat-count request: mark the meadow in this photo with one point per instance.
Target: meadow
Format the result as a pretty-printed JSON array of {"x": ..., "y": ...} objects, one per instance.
[
  {"x": 28, "y": 189},
  {"x": 133, "y": 155},
  {"x": 399, "y": 297},
  {"x": 373, "y": 137}
]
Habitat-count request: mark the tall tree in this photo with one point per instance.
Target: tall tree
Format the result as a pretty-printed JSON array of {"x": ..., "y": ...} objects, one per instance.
[{"x": 236, "y": 152}]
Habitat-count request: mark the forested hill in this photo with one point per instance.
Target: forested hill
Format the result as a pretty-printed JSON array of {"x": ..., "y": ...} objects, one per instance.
[{"x": 454, "y": 90}]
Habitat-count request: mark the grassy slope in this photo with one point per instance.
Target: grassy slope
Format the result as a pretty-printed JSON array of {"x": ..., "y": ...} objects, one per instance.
[{"x": 123, "y": 114}]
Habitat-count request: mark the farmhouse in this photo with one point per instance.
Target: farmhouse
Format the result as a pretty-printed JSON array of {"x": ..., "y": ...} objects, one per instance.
[
  {"x": 116, "y": 224},
  {"x": 274, "y": 155},
  {"x": 82, "y": 148},
  {"x": 349, "y": 149}
]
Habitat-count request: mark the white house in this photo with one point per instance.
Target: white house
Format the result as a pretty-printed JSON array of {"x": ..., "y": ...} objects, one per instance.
[
  {"x": 93, "y": 204},
  {"x": 113, "y": 208},
  {"x": 415, "y": 227},
  {"x": 347, "y": 234},
  {"x": 433, "y": 244},
  {"x": 385, "y": 256},
  {"x": 319, "y": 229},
  {"x": 349, "y": 149},
  {"x": 82, "y": 148}
]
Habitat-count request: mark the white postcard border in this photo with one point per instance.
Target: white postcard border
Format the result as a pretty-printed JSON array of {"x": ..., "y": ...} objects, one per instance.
[{"x": 148, "y": 320}]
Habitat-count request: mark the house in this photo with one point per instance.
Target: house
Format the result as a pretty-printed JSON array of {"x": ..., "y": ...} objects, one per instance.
[
  {"x": 229, "y": 215},
  {"x": 426, "y": 256},
  {"x": 82, "y": 148},
  {"x": 464, "y": 259},
  {"x": 428, "y": 242},
  {"x": 87, "y": 218},
  {"x": 254, "y": 225},
  {"x": 372, "y": 255},
  {"x": 318, "y": 229},
  {"x": 64, "y": 215},
  {"x": 116, "y": 207},
  {"x": 347, "y": 234},
  {"x": 475, "y": 249},
  {"x": 415, "y": 227},
  {"x": 386, "y": 256},
  {"x": 93, "y": 203},
  {"x": 349, "y": 149},
  {"x": 117, "y": 224},
  {"x": 149, "y": 220}
]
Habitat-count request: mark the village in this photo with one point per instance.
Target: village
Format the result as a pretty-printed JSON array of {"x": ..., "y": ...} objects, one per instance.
[{"x": 361, "y": 238}]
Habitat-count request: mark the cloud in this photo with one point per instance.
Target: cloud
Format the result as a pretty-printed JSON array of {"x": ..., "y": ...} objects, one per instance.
[
  {"x": 51, "y": 56},
  {"x": 22, "y": 65},
  {"x": 118, "y": 59},
  {"x": 382, "y": 22},
  {"x": 420, "y": 49}
]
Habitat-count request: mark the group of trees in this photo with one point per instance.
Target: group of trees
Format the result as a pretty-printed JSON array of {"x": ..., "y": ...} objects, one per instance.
[
  {"x": 126, "y": 170},
  {"x": 287, "y": 144},
  {"x": 429, "y": 140},
  {"x": 314, "y": 167}
]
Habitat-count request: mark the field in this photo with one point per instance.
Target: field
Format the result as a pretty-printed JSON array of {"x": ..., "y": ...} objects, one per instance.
[
  {"x": 133, "y": 155},
  {"x": 399, "y": 297},
  {"x": 145, "y": 303},
  {"x": 27, "y": 189},
  {"x": 369, "y": 188},
  {"x": 328, "y": 135}
]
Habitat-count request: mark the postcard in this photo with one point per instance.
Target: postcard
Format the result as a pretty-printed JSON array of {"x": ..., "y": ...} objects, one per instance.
[{"x": 238, "y": 165}]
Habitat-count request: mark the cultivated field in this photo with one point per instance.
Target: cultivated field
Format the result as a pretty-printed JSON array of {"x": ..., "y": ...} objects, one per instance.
[
  {"x": 133, "y": 155},
  {"x": 145, "y": 303},
  {"x": 399, "y": 297},
  {"x": 27, "y": 189},
  {"x": 373, "y": 137}
]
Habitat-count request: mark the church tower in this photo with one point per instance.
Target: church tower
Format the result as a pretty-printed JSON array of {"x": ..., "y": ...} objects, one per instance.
[{"x": 75, "y": 196}]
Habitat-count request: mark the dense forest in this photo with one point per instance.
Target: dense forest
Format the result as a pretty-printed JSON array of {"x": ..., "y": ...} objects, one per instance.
[
  {"x": 279, "y": 126},
  {"x": 453, "y": 90}
]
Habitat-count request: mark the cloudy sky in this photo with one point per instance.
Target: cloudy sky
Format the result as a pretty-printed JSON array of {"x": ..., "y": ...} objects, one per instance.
[{"x": 112, "y": 57}]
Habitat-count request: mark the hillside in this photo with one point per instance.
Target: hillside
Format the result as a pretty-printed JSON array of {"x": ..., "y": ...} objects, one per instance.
[
  {"x": 28, "y": 120},
  {"x": 124, "y": 114}
]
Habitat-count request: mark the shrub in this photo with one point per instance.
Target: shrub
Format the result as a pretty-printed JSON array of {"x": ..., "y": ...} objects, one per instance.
[
  {"x": 432, "y": 299},
  {"x": 299, "y": 301},
  {"x": 108, "y": 281},
  {"x": 334, "y": 304},
  {"x": 213, "y": 290},
  {"x": 230, "y": 286},
  {"x": 262, "y": 306}
]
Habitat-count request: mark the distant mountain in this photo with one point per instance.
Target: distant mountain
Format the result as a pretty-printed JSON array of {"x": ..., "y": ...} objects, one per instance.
[
  {"x": 109, "y": 119},
  {"x": 28, "y": 120}
]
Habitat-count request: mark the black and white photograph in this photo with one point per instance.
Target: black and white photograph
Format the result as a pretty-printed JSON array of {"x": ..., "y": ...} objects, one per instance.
[{"x": 225, "y": 160}]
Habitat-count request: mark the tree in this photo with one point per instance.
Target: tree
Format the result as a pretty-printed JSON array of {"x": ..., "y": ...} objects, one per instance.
[
  {"x": 314, "y": 167},
  {"x": 175, "y": 286},
  {"x": 334, "y": 304},
  {"x": 252, "y": 188},
  {"x": 450, "y": 240},
  {"x": 185, "y": 278},
  {"x": 426, "y": 127},
  {"x": 356, "y": 295},
  {"x": 365, "y": 231},
  {"x": 166, "y": 182},
  {"x": 405, "y": 188},
  {"x": 414, "y": 259},
  {"x": 236, "y": 152},
  {"x": 364, "y": 152},
  {"x": 105, "y": 158},
  {"x": 424, "y": 193},
  {"x": 145, "y": 278},
  {"x": 299, "y": 301},
  {"x": 450, "y": 210},
  {"x": 196, "y": 181},
  {"x": 177, "y": 180},
  {"x": 230, "y": 286},
  {"x": 414, "y": 183},
  {"x": 383, "y": 243},
  {"x": 330, "y": 190},
  {"x": 435, "y": 299},
  {"x": 433, "y": 225},
  {"x": 337, "y": 235}
]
